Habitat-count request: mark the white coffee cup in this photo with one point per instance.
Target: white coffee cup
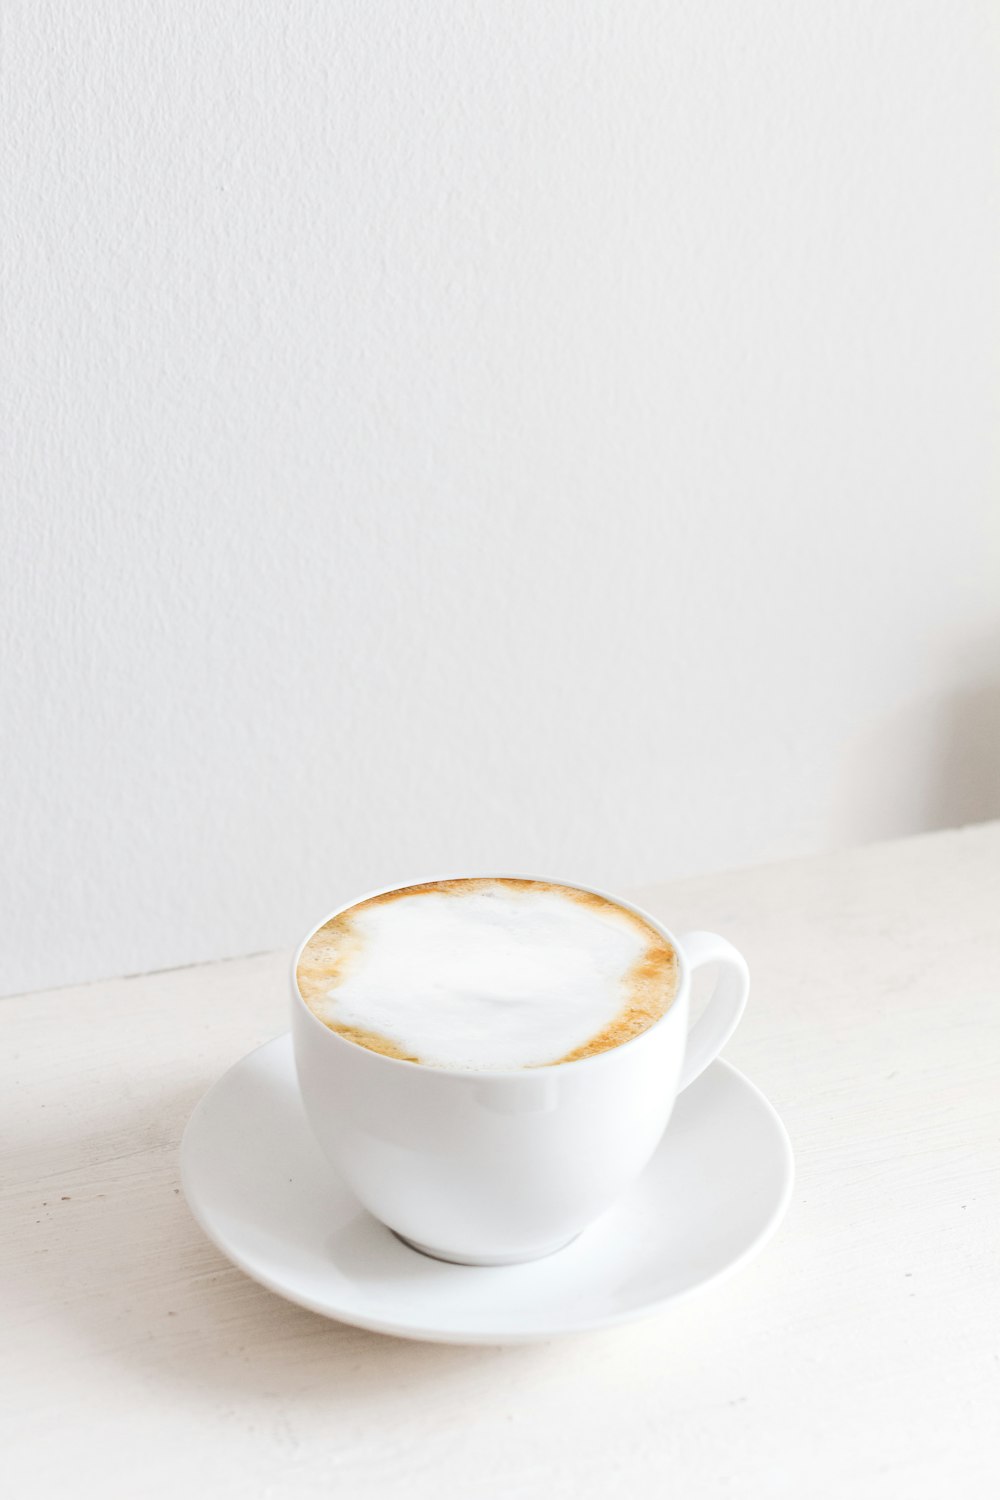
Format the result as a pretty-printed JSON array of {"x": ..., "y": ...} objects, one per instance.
[{"x": 497, "y": 1166}]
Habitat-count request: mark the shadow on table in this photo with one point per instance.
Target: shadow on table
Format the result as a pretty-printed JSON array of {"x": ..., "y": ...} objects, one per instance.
[{"x": 120, "y": 1259}]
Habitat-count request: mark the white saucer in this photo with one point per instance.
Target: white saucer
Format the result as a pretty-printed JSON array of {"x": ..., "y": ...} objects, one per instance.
[{"x": 262, "y": 1191}]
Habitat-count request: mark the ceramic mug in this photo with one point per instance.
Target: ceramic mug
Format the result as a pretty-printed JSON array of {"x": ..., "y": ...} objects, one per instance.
[{"x": 489, "y": 1168}]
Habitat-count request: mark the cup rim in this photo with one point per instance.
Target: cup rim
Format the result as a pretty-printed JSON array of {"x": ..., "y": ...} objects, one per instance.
[{"x": 676, "y": 1005}]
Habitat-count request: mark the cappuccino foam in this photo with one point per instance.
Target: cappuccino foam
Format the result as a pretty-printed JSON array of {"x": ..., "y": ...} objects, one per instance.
[{"x": 488, "y": 973}]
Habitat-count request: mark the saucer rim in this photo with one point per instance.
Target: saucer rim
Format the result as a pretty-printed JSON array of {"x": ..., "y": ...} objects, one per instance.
[{"x": 430, "y": 1334}]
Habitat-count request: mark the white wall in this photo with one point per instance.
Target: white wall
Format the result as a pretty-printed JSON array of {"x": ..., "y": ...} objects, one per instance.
[{"x": 549, "y": 435}]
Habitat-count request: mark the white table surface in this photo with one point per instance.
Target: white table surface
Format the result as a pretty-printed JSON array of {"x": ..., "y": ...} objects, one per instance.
[{"x": 858, "y": 1356}]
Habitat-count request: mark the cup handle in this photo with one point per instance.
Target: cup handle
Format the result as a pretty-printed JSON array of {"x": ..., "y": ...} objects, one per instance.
[{"x": 716, "y": 1024}]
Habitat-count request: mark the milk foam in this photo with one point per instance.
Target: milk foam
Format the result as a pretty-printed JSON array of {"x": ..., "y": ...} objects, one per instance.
[{"x": 492, "y": 976}]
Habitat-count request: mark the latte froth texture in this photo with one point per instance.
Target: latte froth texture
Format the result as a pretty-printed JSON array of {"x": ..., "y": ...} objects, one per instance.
[{"x": 486, "y": 973}]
